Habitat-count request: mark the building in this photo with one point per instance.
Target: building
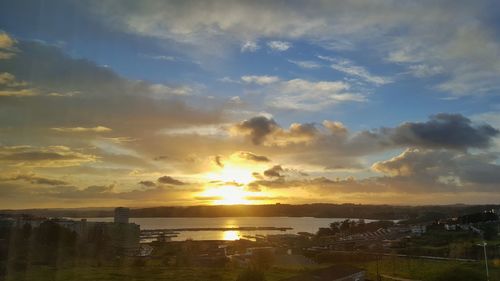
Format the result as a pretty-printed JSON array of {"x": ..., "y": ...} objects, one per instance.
[
  {"x": 418, "y": 229},
  {"x": 450, "y": 227},
  {"x": 332, "y": 273},
  {"x": 122, "y": 215}
]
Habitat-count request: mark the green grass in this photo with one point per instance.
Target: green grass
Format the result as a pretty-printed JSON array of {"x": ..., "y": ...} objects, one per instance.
[
  {"x": 426, "y": 269},
  {"x": 399, "y": 267},
  {"x": 147, "y": 273}
]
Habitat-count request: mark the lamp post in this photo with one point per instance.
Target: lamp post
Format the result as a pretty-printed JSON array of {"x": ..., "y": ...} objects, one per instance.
[{"x": 485, "y": 260}]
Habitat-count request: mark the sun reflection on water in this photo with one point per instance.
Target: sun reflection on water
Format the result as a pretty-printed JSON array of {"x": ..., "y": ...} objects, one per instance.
[{"x": 231, "y": 235}]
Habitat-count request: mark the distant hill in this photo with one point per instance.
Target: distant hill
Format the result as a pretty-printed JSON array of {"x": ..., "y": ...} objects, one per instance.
[{"x": 387, "y": 212}]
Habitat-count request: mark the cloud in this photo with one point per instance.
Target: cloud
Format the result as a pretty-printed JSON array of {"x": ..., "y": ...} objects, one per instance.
[
  {"x": 66, "y": 95},
  {"x": 10, "y": 81},
  {"x": 259, "y": 80},
  {"x": 444, "y": 130},
  {"x": 304, "y": 95},
  {"x": 18, "y": 93},
  {"x": 424, "y": 70},
  {"x": 456, "y": 170},
  {"x": 159, "y": 57},
  {"x": 348, "y": 67},
  {"x": 251, "y": 156},
  {"x": 332, "y": 146},
  {"x": 414, "y": 172},
  {"x": 147, "y": 183},
  {"x": 18, "y": 196},
  {"x": 7, "y": 43},
  {"x": 104, "y": 193},
  {"x": 264, "y": 130},
  {"x": 161, "y": 91},
  {"x": 308, "y": 64},
  {"x": 169, "y": 180},
  {"x": 33, "y": 179},
  {"x": 11, "y": 87},
  {"x": 129, "y": 107},
  {"x": 256, "y": 128},
  {"x": 274, "y": 172},
  {"x": 203, "y": 130},
  {"x": 50, "y": 156},
  {"x": 97, "y": 129},
  {"x": 279, "y": 46},
  {"x": 459, "y": 38},
  {"x": 218, "y": 161},
  {"x": 249, "y": 46},
  {"x": 335, "y": 127}
]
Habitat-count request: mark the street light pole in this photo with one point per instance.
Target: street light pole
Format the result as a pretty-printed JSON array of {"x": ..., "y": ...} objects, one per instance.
[{"x": 485, "y": 260}]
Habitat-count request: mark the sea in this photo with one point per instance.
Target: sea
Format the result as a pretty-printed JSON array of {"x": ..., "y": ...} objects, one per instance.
[{"x": 297, "y": 224}]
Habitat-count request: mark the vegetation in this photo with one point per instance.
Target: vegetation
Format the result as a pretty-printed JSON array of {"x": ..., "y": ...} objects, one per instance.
[
  {"x": 451, "y": 244},
  {"x": 430, "y": 270},
  {"x": 348, "y": 227},
  {"x": 251, "y": 275},
  {"x": 419, "y": 269}
]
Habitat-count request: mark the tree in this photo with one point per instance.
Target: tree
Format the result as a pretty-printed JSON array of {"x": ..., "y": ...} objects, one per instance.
[{"x": 324, "y": 231}]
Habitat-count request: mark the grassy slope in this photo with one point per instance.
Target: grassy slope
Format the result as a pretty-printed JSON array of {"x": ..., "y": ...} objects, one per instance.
[{"x": 407, "y": 268}]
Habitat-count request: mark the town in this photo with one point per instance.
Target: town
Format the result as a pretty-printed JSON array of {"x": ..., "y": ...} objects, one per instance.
[{"x": 351, "y": 249}]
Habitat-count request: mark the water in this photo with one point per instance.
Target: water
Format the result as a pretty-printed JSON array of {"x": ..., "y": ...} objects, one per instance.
[{"x": 298, "y": 224}]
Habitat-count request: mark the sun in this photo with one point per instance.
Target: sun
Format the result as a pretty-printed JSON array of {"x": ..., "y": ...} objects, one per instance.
[
  {"x": 227, "y": 195},
  {"x": 234, "y": 174},
  {"x": 227, "y": 185}
]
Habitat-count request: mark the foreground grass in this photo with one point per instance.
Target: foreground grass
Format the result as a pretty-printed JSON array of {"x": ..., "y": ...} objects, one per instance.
[
  {"x": 427, "y": 270},
  {"x": 147, "y": 273},
  {"x": 399, "y": 267}
]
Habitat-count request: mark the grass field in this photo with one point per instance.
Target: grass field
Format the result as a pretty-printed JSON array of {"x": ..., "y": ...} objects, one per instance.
[
  {"x": 428, "y": 270},
  {"x": 147, "y": 273},
  {"x": 400, "y": 267}
]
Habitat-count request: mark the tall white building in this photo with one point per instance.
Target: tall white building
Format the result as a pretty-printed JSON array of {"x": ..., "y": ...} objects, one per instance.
[{"x": 122, "y": 215}]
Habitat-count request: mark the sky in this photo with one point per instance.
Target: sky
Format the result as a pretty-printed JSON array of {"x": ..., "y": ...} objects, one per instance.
[{"x": 154, "y": 103}]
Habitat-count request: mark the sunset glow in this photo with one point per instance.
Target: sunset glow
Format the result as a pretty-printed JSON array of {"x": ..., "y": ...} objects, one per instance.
[
  {"x": 249, "y": 102},
  {"x": 226, "y": 195},
  {"x": 238, "y": 175}
]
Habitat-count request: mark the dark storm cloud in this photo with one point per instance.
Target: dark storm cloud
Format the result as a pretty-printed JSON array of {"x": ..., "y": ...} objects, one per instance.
[
  {"x": 170, "y": 180},
  {"x": 444, "y": 130},
  {"x": 253, "y": 157}
]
